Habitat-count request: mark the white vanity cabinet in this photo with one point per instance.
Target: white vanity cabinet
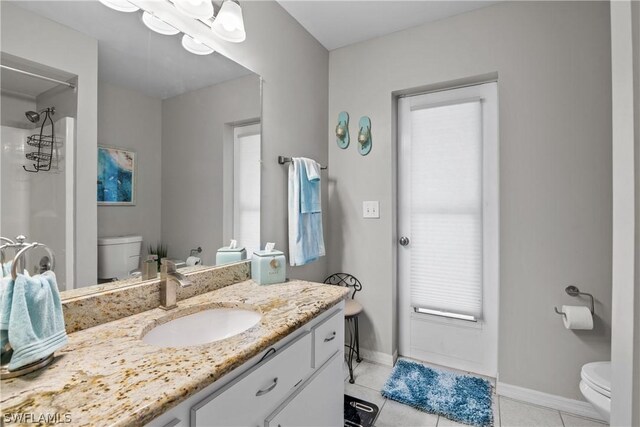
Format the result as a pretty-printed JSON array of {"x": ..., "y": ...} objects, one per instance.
[{"x": 300, "y": 384}]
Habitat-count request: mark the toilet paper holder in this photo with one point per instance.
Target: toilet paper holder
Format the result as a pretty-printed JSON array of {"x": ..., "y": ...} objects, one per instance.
[{"x": 574, "y": 292}]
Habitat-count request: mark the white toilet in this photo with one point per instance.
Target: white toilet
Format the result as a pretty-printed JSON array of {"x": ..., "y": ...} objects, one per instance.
[
  {"x": 118, "y": 256},
  {"x": 596, "y": 386}
]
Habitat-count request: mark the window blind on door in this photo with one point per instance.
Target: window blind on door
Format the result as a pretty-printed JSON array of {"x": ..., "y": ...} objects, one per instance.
[
  {"x": 446, "y": 208},
  {"x": 246, "y": 190}
]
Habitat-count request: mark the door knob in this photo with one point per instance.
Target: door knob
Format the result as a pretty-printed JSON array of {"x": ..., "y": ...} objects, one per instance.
[{"x": 404, "y": 241}]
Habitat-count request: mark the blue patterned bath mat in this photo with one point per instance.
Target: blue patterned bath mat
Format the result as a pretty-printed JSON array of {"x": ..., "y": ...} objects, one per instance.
[{"x": 460, "y": 398}]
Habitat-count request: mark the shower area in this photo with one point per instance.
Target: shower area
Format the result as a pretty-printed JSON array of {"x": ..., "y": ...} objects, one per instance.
[{"x": 37, "y": 118}]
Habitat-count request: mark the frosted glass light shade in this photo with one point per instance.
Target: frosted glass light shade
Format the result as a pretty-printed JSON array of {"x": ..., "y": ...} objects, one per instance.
[
  {"x": 229, "y": 24},
  {"x": 194, "y": 46},
  {"x": 120, "y": 5},
  {"x": 199, "y": 9},
  {"x": 158, "y": 25}
]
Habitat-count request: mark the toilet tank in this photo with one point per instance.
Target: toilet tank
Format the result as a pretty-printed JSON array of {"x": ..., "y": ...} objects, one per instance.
[{"x": 117, "y": 256}]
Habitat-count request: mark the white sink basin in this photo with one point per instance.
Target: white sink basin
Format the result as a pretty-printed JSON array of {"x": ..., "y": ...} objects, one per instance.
[{"x": 202, "y": 327}]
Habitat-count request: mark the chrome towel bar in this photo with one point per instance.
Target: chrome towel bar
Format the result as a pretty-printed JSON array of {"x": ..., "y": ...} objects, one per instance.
[{"x": 283, "y": 160}]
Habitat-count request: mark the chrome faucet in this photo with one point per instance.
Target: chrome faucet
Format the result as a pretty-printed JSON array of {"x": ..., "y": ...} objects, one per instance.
[{"x": 169, "y": 281}]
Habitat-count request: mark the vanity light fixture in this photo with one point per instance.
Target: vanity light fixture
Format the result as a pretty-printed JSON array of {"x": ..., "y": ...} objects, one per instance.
[
  {"x": 120, "y": 5},
  {"x": 199, "y": 9},
  {"x": 229, "y": 23},
  {"x": 158, "y": 25},
  {"x": 194, "y": 46}
]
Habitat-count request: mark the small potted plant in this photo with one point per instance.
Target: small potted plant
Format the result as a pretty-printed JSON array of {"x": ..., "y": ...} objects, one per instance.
[{"x": 160, "y": 251}]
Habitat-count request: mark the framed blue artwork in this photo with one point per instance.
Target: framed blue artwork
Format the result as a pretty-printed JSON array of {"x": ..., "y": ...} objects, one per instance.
[{"x": 116, "y": 176}]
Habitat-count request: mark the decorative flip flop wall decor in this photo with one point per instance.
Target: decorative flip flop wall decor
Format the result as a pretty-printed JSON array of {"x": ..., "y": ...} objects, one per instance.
[
  {"x": 342, "y": 130},
  {"x": 364, "y": 136}
]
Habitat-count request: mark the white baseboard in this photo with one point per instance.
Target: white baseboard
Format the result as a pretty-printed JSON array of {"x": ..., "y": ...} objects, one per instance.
[
  {"x": 378, "y": 357},
  {"x": 571, "y": 406}
]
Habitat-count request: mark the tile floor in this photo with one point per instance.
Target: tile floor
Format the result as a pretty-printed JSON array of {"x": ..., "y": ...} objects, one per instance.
[{"x": 370, "y": 377}]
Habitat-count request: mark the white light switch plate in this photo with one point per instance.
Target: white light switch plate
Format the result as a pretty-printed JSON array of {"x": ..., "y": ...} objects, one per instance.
[{"x": 371, "y": 209}]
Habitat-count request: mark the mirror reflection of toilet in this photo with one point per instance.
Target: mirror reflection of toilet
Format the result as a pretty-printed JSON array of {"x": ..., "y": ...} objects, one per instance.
[
  {"x": 118, "y": 256},
  {"x": 596, "y": 386}
]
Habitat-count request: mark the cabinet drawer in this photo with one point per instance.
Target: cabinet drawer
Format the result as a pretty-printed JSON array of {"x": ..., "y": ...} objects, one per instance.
[
  {"x": 328, "y": 337},
  {"x": 246, "y": 401}
]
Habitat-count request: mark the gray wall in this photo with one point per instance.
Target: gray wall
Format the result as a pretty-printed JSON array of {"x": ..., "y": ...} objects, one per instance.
[
  {"x": 553, "y": 63},
  {"x": 294, "y": 69},
  {"x": 39, "y": 40},
  {"x": 13, "y": 107},
  {"x": 63, "y": 98},
  {"x": 132, "y": 120},
  {"x": 193, "y": 130}
]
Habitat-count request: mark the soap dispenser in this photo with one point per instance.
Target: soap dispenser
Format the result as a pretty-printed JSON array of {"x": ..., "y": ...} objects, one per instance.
[
  {"x": 268, "y": 266},
  {"x": 150, "y": 268},
  {"x": 231, "y": 253}
]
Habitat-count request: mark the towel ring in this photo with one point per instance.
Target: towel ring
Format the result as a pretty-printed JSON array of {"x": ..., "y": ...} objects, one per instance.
[
  {"x": 14, "y": 266},
  {"x": 2, "y": 248},
  {"x": 15, "y": 245}
]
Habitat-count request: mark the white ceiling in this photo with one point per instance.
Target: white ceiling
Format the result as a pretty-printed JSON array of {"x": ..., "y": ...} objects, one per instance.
[
  {"x": 338, "y": 23},
  {"x": 132, "y": 56}
]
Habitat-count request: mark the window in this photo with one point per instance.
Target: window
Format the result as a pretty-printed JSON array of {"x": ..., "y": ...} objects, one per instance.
[
  {"x": 246, "y": 187},
  {"x": 447, "y": 208}
]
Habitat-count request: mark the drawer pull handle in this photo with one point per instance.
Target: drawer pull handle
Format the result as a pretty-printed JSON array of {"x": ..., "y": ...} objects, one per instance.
[
  {"x": 268, "y": 389},
  {"x": 331, "y": 338}
]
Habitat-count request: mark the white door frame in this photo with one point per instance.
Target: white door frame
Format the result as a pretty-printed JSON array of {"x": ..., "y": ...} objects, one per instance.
[{"x": 454, "y": 332}]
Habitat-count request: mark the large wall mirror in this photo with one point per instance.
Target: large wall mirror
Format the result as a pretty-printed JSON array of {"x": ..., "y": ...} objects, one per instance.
[{"x": 107, "y": 122}]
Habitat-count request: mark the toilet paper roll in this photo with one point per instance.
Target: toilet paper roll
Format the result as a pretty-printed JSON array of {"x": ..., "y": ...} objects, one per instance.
[
  {"x": 577, "y": 317},
  {"x": 193, "y": 260}
]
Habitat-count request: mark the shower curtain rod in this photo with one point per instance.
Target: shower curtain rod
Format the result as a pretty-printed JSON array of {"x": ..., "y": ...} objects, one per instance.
[{"x": 38, "y": 76}]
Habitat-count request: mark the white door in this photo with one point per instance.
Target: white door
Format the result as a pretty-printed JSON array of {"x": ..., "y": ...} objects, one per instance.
[{"x": 448, "y": 226}]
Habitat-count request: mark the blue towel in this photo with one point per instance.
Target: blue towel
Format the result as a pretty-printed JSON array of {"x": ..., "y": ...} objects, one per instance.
[
  {"x": 6, "y": 269},
  {"x": 31, "y": 315},
  {"x": 310, "y": 187},
  {"x": 306, "y": 239},
  {"x": 5, "y": 287}
]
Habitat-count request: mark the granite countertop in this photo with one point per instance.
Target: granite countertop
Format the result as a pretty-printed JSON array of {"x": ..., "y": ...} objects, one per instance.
[{"x": 106, "y": 376}]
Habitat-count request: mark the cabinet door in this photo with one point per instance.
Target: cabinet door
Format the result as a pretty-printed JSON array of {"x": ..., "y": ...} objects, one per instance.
[
  {"x": 328, "y": 337},
  {"x": 319, "y": 403}
]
